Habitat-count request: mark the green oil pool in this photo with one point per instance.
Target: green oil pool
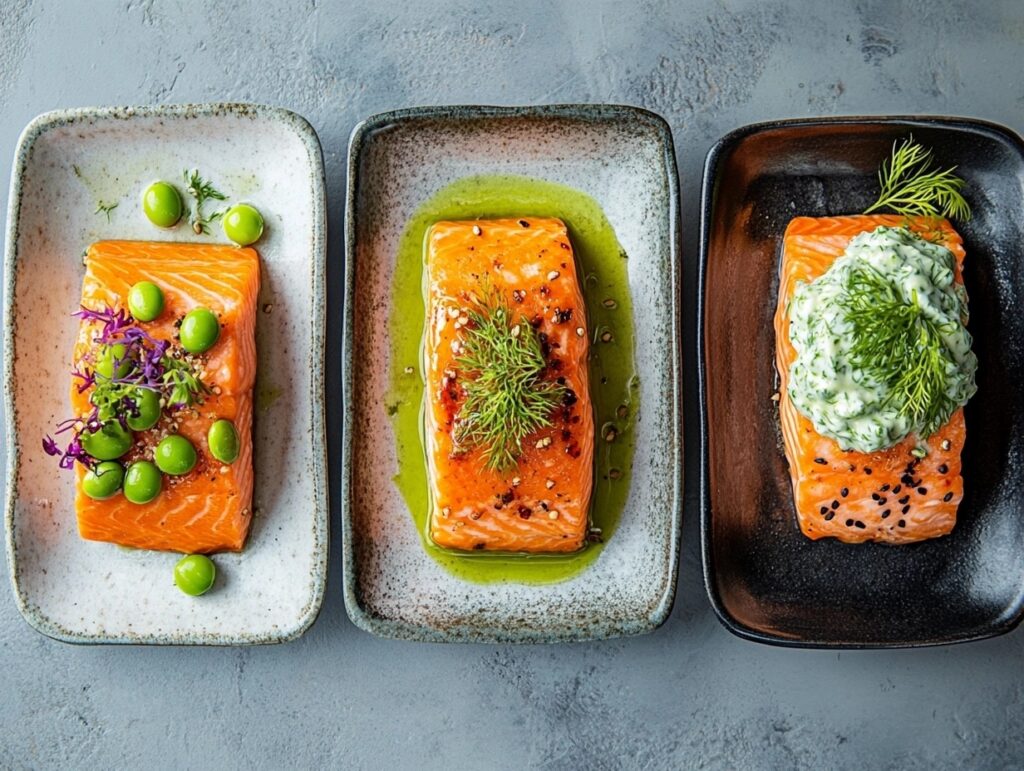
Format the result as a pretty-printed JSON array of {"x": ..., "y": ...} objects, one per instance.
[{"x": 613, "y": 378}]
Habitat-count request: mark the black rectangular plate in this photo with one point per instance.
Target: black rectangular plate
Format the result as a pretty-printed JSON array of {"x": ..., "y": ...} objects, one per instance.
[{"x": 766, "y": 581}]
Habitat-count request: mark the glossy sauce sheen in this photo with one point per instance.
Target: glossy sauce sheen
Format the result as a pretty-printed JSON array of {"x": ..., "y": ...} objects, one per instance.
[
  {"x": 541, "y": 505},
  {"x": 208, "y": 509},
  {"x": 890, "y": 495}
]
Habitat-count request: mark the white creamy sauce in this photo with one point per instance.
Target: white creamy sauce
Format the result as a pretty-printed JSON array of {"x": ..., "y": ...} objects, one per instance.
[{"x": 846, "y": 402}]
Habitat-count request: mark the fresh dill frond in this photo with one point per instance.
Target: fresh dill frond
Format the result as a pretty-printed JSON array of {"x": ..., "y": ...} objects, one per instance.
[
  {"x": 911, "y": 185},
  {"x": 506, "y": 395},
  {"x": 901, "y": 347},
  {"x": 202, "y": 190},
  {"x": 106, "y": 208}
]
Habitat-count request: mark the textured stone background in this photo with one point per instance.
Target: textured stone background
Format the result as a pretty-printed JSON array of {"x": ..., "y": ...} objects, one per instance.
[{"x": 688, "y": 695}]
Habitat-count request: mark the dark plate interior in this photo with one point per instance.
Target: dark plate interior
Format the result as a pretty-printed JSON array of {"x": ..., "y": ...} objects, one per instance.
[{"x": 766, "y": 580}]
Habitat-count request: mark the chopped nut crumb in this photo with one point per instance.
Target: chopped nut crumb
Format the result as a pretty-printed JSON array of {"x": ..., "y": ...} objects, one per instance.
[
  {"x": 553, "y": 275},
  {"x": 550, "y": 483},
  {"x": 476, "y": 230},
  {"x": 580, "y": 331},
  {"x": 552, "y": 514},
  {"x": 445, "y": 512},
  {"x": 545, "y": 442},
  {"x": 516, "y": 481}
]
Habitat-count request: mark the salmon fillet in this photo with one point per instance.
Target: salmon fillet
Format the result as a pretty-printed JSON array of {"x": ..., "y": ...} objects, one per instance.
[
  {"x": 541, "y": 505},
  {"x": 890, "y": 495},
  {"x": 210, "y": 508}
]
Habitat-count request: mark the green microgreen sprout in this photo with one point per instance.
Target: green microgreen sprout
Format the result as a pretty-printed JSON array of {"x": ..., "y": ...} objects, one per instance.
[
  {"x": 202, "y": 190},
  {"x": 106, "y": 208}
]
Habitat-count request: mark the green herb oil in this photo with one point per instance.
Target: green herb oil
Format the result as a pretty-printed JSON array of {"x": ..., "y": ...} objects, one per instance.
[{"x": 613, "y": 379}]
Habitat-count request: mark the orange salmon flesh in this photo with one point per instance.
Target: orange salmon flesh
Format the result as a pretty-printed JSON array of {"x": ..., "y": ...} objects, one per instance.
[
  {"x": 890, "y": 495},
  {"x": 542, "y": 504},
  {"x": 210, "y": 508}
]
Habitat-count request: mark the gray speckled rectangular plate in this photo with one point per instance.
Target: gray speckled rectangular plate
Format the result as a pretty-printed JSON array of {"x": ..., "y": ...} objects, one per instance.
[
  {"x": 623, "y": 158},
  {"x": 67, "y": 163}
]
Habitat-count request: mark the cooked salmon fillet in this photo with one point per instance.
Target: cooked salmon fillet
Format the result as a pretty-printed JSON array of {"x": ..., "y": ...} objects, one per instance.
[
  {"x": 890, "y": 495},
  {"x": 210, "y": 508},
  {"x": 540, "y": 505}
]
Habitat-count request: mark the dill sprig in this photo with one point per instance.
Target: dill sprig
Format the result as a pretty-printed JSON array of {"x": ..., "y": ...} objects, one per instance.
[
  {"x": 202, "y": 190},
  {"x": 897, "y": 344},
  {"x": 506, "y": 396},
  {"x": 911, "y": 185}
]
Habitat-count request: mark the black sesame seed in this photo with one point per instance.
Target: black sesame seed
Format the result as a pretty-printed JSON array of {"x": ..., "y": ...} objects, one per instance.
[
  {"x": 835, "y": 504},
  {"x": 849, "y": 523},
  {"x": 867, "y": 471},
  {"x": 904, "y": 499},
  {"x": 860, "y": 524},
  {"x": 824, "y": 509},
  {"x": 947, "y": 497},
  {"x": 907, "y": 479},
  {"x": 828, "y": 517},
  {"x": 881, "y": 501},
  {"x": 886, "y": 513},
  {"x": 922, "y": 490},
  {"x": 943, "y": 469},
  {"x": 821, "y": 461},
  {"x": 905, "y": 509},
  {"x": 884, "y": 487},
  {"x": 896, "y": 489},
  {"x": 902, "y": 523},
  {"x": 844, "y": 492},
  {"x": 875, "y": 496}
]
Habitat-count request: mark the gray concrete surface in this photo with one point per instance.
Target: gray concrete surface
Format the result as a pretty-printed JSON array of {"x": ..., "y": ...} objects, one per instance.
[{"x": 690, "y": 695}]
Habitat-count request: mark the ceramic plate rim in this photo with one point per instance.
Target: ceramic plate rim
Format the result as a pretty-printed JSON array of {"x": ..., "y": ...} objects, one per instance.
[
  {"x": 712, "y": 161},
  {"x": 321, "y": 520},
  {"x": 395, "y": 629}
]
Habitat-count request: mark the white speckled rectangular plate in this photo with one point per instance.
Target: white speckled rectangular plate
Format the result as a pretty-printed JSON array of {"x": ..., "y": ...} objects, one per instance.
[
  {"x": 624, "y": 159},
  {"x": 67, "y": 163}
]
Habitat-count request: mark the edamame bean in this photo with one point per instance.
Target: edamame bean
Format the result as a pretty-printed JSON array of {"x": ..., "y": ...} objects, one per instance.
[
  {"x": 142, "y": 482},
  {"x": 108, "y": 356},
  {"x": 104, "y": 481},
  {"x": 145, "y": 301},
  {"x": 147, "y": 408},
  {"x": 222, "y": 439},
  {"x": 243, "y": 224},
  {"x": 109, "y": 442},
  {"x": 199, "y": 330},
  {"x": 162, "y": 204},
  {"x": 175, "y": 455},
  {"x": 195, "y": 574}
]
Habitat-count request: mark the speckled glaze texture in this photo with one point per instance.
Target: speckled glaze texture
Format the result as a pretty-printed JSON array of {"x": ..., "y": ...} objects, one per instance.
[
  {"x": 67, "y": 163},
  {"x": 766, "y": 581},
  {"x": 622, "y": 157}
]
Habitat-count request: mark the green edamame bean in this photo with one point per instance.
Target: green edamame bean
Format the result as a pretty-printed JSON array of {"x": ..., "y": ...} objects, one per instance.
[
  {"x": 195, "y": 574},
  {"x": 222, "y": 439},
  {"x": 243, "y": 224},
  {"x": 145, "y": 301},
  {"x": 108, "y": 356},
  {"x": 147, "y": 405},
  {"x": 199, "y": 330},
  {"x": 142, "y": 482},
  {"x": 162, "y": 204},
  {"x": 104, "y": 481},
  {"x": 109, "y": 442},
  {"x": 175, "y": 455}
]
